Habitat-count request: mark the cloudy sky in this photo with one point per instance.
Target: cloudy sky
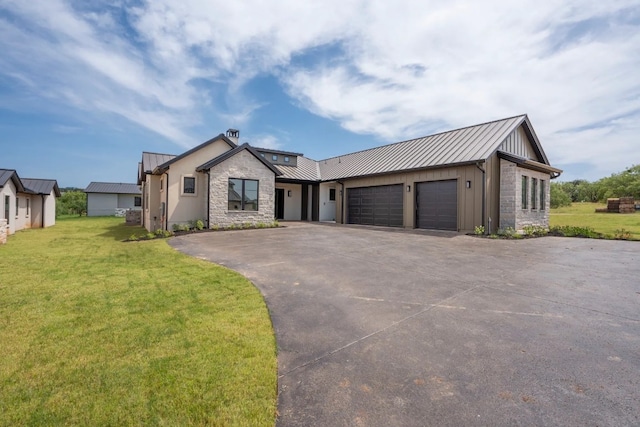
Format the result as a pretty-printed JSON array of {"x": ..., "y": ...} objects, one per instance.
[{"x": 85, "y": 87}]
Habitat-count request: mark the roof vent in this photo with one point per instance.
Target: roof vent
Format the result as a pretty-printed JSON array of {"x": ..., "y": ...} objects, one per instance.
[{"x": 233, "y": 135}]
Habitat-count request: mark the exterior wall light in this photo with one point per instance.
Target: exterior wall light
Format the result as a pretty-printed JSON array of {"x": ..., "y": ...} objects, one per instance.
[
  {"x": 468, "y": 184},
  {"x": 408, "y": 189},
  {"x": 288, "y": 193}
]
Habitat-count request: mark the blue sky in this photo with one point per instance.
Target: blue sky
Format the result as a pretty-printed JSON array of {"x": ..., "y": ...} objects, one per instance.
[{"x": 85, "y": 87}]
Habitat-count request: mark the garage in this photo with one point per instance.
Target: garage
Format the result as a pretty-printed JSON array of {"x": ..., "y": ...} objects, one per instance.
[
  {"x": 437, "y": 205},
  {"x": 381, "y": 205}
]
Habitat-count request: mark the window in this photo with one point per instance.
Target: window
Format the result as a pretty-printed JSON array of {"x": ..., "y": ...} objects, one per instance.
[
  {"x": 137, "y": 201},
  {"x": 28, "y": 207},
  {"x": 534, "y": 193},
  {"x": 161, "y": 183},
  {"x": 17, "y": 205},
  {"x": 286, "y": 159},
  {"x": 332, "y": 194},
  {"x": 274, "y": 157},
  {"x": 188, "y": 185},
  {"x": 7, "y": 201},
  {"x": 543, "y": 195},
  {"x": 525, "y": 192},
  {"x": 243, "y": 194},
  {"x": 262, "y": 154}
]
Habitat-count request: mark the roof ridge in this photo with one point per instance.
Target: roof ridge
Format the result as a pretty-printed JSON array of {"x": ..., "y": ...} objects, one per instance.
[
  {"x": 161, "y": 154},
  {"x": 425, "y": 136}
]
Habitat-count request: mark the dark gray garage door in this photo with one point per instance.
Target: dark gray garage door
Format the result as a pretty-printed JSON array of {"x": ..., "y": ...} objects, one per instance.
[
  {"x": 381, "y": 205},
  {"x": 437, "y": 205}
]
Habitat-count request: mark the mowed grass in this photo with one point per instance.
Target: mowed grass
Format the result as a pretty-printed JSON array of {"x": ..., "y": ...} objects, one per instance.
[
  {"x": 584, "y": 215},
  {"x": 94, "y": 331}
]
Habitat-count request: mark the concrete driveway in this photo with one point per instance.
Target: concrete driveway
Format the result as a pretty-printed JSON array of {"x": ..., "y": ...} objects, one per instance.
[{"x": 382, "y": 328}]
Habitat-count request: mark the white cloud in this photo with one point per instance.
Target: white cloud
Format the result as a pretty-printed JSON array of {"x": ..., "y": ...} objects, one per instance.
[{"x": 394, "y": 69}]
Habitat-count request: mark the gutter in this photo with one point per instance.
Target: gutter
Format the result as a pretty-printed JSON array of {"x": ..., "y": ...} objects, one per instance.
[{"x": 42, "y": 216}]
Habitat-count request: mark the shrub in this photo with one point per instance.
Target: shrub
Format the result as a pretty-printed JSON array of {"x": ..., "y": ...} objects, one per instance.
[
  {"x": 133, "y": 238},
  {"x": 199, "y": 224},
  {"x": 534, "y": 230},
  {"x": 478, "y": 230},
  {"x": 571, "y": 231},
  {"x": 622, "y": 234},
  {"x": 150, "y": 236},
  {"x": 507, "y": 232}
]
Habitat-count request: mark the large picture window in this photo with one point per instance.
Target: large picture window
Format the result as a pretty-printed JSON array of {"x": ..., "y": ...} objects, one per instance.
[{"x": 243, "y": 194}]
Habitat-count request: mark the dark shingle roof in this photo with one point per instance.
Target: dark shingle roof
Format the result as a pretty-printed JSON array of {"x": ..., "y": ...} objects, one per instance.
[
  {"x": 112, "y": 188},
  {"x": 41, "y": 186},
  {"x": 464, "y": 145},
  {"x": 11, "y": 174}
]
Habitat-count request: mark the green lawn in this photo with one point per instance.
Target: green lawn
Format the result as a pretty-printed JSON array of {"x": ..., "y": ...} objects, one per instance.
[
  {"x": 94, "y": 331},
  {"x": 584, "y": 215}
]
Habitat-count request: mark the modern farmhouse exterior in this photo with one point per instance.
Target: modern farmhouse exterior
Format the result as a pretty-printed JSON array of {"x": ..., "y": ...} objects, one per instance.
[
  {"x": 26, "y": 202},
  {"x": 494, "y": 174},
  {"x": 106, "y": 198}
]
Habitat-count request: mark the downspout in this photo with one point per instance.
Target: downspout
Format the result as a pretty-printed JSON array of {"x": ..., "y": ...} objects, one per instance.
[
  {"x": 166, "y": 204},
  {"x": 341, "y": 202},
  {"x": 484, "y": 197},
  {"x": 208, "y": 198},
  {"x": 42, "y": 215}
]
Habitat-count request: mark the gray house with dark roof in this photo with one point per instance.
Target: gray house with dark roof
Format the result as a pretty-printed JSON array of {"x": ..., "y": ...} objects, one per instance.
[
  {"x": 494, "y": 174},
  {"x": 26, "y": 202},
  {"x": 111, "y": 198}
]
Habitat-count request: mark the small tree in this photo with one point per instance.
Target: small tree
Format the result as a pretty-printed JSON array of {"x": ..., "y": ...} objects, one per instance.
[{"x": 559, "y": 196}]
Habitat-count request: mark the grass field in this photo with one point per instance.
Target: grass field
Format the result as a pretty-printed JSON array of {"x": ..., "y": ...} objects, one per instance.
[
  {"x": 94, "y": 331},
  {"x": 584, "y": 215}
]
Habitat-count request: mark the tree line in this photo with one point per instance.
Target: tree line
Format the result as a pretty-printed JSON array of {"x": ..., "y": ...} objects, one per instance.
[
  {"x": 623, "y": 184},
  {"x": 72, "y": 201}
]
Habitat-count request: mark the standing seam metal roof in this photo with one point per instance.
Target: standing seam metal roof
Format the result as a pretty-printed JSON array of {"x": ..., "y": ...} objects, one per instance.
[
  {"x": 465, "y": 145},
  {"x": 112, "y": 188},
  {"x": 41, "y": 186},
  {"x": 150, "y": 161}
]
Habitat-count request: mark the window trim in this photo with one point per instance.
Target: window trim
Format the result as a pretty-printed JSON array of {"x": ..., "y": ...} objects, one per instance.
[
  {"x": 137, "y": 201},
  {"x": 183, "y": 178},
  {"x": 274, "y": 157},
  {"x": 242, "y": 195}
]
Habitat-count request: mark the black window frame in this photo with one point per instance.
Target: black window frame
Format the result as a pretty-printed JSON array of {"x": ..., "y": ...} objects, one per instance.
[
  {"x": 17, "y": 205},
  {"x": 525, "y": 192},
  {"x": 192, "y": 189},
  {"x": 332, "y": 194},
  {"x": 543, "y": 195},
  {"x": 243, "y": 196},
  {"x": 28, "y": 207},
  {"x": 137, "y": 201},
  {"x": 534, "y": 193}
]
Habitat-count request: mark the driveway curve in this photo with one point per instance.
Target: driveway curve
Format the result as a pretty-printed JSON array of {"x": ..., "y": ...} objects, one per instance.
[{"x": 402, "y": 328}]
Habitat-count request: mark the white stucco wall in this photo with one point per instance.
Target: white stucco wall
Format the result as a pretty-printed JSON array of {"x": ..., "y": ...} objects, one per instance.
[
  {"x": 9, "y": 190},
  {"x": 293, "y": 204},
  {"x": 99, "y": 204},
  {"x": 49, "y": 209}
]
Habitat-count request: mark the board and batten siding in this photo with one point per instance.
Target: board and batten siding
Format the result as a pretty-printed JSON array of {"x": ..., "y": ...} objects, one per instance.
[
  {"x": 518, "y": 144},
  {"x": 469, "y": 199}
]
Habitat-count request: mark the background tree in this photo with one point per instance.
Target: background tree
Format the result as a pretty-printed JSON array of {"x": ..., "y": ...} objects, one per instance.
[
  {"x": 72, "y": 202},
  {"x": 623, "y": 184},
  {"x": 559, "y": 195}
]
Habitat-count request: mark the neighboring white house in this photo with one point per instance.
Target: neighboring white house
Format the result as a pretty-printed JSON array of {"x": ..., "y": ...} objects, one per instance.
[
  {"x": 107, "y": 198},
  {"x": 27, "y": 203}
]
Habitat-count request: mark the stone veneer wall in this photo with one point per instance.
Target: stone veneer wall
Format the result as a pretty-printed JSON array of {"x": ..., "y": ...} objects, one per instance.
[
  {"x": 511, "y": 212},
  {"x": 4, "y": 230},
  {"x": 242, "y": 166}
]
